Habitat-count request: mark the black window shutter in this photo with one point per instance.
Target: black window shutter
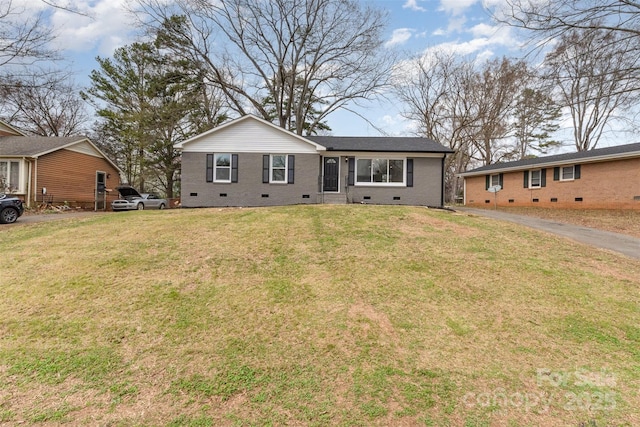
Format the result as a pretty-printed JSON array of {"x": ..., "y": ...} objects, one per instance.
[
  {"x": 487, "y": 182},
  {"x": 409, "y": 172},
  {"x": 234, "y": 168},
  {"x": 209, "y": 167},
  {"x": 501, "y": 180},
  {"x": 352, "y": 171},
  {"x": 265, "y": 169},
  {"x": 291, "y": 163},
  {"x": 543, "y": 178},
  {"x": 526, "y": 179},
  {"x": 576, "y": 172},
  {"x": 556, "y": 173}
]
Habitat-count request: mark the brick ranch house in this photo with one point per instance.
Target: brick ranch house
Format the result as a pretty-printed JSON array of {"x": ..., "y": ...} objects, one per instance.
[
  {"x": 56, "y": 170},
  {"x": 252, "y": 162},
  {"x": 604, "y": 178}
]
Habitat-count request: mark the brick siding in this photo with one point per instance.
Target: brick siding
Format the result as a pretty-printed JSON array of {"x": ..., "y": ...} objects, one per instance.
[{"x": 603, "y": 185}]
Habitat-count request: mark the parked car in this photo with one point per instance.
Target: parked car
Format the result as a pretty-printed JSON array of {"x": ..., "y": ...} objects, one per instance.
[
  {"x": 132, "y": 200},
  {"x": 11, "y": 209}
]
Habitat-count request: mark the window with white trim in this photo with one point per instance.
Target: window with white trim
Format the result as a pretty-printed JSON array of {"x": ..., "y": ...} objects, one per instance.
[
  {"x": 222, "y": 168},
  {"x": 9, "y": 176},
  {"x": 380, "y": 171},
  {"x": 278, "y": 168},
  {"x": 535, "y": 178},
  {"x": 567, "y": 173},
  {"x": 495, "y": 180}
]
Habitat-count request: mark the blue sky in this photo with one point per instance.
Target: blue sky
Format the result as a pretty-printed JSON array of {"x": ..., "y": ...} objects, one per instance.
[{"x": 414, "y": 26}]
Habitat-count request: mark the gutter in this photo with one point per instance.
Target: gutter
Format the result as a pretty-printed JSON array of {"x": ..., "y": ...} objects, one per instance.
[{"x": 442, "y": 178}]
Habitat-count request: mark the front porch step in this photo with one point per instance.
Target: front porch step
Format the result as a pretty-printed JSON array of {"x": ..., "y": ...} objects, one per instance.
[{"x": 334, "y": 198}]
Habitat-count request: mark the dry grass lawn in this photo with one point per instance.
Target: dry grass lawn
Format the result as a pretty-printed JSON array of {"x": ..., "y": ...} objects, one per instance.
[{"x": 313, "y": 315}]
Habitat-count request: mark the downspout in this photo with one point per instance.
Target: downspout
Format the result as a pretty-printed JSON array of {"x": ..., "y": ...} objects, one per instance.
[
  {"x": 464, "y": 191},
  {"x": 29, "y": 187},
  {"x": 442, "y": 182},
  {"x": 35, "y": 180}
]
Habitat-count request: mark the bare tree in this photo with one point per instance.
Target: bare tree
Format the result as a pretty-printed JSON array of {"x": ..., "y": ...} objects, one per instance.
[
  {"x": 287, "y": 51},
  {"x": 47, "y": 106},
  {"x": 25, "y": 37},
  {"x": 493, "y": 93},
  {"x": 551, "y": 19},
  {"x": 547, "y": 21},
  {"x": 590, "y": 70},
  {"x": 432, "y": 89}
]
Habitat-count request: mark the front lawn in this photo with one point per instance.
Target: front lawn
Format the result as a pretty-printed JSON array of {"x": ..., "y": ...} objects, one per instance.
[{"x": 313, "y": 315}]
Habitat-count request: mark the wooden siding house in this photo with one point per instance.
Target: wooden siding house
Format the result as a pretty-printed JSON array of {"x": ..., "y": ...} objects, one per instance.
[
  {"x": 603, "y": 178},
  {"x": 252, "y": 162},
  {"x": 56, "y": 170}
]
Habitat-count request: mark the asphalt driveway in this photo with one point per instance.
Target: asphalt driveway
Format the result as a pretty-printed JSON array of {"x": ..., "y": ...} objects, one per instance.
[
  {"x": 35, "y": 218},
  {"x": 621, "y": 243}
]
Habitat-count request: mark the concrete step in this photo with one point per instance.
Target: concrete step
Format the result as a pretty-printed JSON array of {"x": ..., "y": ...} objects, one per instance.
[{"x": 333, "y": 198}]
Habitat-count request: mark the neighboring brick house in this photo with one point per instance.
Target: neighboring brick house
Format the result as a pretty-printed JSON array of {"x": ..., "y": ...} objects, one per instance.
[
  {"x": 56, "y": 170},
  {"x": 251, "y": 162},
  {"x": 596, "y": 179}
]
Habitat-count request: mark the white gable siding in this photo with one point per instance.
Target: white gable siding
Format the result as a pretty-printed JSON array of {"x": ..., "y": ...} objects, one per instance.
[
  {"x": 85, "y": 148},
  {"x": 249, "y": 136}
]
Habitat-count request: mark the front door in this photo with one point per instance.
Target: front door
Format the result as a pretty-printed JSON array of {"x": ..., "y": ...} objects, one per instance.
[
  {"x": 101, "y": 194},
  {"x": 331, "y": 173}
]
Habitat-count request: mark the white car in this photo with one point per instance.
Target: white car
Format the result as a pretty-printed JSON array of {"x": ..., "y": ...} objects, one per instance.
[{"x": 132, "y": 200}]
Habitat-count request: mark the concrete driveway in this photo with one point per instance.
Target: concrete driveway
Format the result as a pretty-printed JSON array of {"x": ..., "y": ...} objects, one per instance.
[{"x": 621, "y": 243}]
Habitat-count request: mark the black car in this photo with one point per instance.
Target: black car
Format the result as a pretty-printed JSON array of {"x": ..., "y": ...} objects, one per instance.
[{"x": 10, "y": 209}]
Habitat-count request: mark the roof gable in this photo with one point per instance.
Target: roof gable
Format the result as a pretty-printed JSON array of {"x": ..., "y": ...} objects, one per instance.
[
  {"x": 37, "y": 146},
  {"x": 249, "y": 134},
  {"x": 596, "y": 155},
  {"x": 7, "y": 130}
]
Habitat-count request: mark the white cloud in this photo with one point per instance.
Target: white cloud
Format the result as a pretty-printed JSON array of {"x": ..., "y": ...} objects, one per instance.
[
  {"x": 397, "y": 125},
  {"x": 484, "y": 55},
  {"x": 456, "y": 7},
  {"x": 413, "y": 5},
  {"x": 462, "y": 48},
  {"x": 456, "y": 24},
  {"x": 399, "y": 36},
  {"x": 105, "y": 27},
  {"x": 483, "y": 30}
]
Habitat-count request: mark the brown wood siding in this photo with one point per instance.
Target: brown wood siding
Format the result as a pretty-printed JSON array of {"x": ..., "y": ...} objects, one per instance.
[
  {"x": 70, "y": 177},
  {"x": 604, "y": 185}
]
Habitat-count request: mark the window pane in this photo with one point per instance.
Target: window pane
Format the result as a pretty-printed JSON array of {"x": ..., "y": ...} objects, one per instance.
[
  {"x": 379, "y": 167},
  {"x": 278, "y": 161},
  {"x": 535, "y": 178},
  {"x": 223, "y": 174},
  {"x": 364, "y": 170},
  {"x": 4, "y": 169},
  {"x": 567, "y": 172},
  {"x": 223, "y": 160},
  {"x": 396, "y": 170},
  {"x": 495, "y": 180},
  {"x": 14, "y": 179},
  {"x": 277, "y": 175}
]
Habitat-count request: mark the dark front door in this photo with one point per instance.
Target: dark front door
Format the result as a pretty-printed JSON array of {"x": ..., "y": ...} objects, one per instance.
[{"x": 331, "y": 173}]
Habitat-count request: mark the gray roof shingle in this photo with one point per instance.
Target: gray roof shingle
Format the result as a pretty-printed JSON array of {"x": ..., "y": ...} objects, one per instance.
[
  {"x": 379, "y": 144},
  {"x": 33, "y": 145},
  {"x": 580, "y": 156}
]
